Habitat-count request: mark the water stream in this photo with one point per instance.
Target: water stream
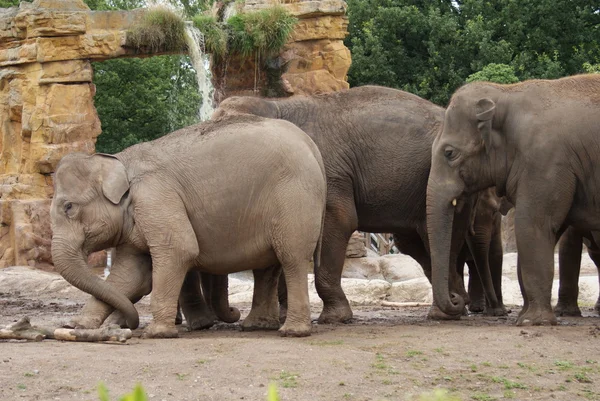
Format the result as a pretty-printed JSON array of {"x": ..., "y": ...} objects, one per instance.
[{"x": 201, "y": 63}]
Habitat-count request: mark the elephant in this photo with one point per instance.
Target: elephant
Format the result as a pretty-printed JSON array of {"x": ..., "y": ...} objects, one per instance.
[
  {"x": 484, "y": 241},
  {"x": 569, "y": 264},
  {"x": 376, "y": 147},
  {"x": 204, "y": 298},
  {"x": 537, "y": 143},
  {"x": 170, "y": 206}
]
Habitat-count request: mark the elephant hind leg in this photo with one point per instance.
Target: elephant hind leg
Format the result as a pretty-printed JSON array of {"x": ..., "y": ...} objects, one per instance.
[
  {"x": 264, "y": 314},
  {"x": 475, "y": 289},
  {"x": 569, "y": 265},
  {"x": 196, "y": 310},
  {"x": 594, "y": 253},
  {"x": 340, "y": 223}
]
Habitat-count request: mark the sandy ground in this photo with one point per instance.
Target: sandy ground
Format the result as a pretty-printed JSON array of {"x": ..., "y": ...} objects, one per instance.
[{"x": 384, "y": 354}]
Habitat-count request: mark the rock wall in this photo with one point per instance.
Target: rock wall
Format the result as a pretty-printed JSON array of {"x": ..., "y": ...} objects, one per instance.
[
  {"x": 47, "y": 91},
  {"x": 46, "y": 110}
]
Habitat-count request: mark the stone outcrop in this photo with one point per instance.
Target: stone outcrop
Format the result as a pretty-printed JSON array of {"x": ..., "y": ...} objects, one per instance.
[
  {"x": 356, "y": 246},
  {"x": 315, "y": 58},
  {"x": 47, "y": 110},
  {"x": 47, "y": 90}
]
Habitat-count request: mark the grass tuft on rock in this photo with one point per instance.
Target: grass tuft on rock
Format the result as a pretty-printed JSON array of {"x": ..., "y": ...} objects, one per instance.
[
  {"x": 263, "y": 32},
  {"x": 161, "y": 30},
  {"x": 215, "y": 34}
]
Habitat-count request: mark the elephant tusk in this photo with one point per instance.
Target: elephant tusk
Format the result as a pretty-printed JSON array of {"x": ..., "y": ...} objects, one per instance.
[{"x": 454, "y": 202}]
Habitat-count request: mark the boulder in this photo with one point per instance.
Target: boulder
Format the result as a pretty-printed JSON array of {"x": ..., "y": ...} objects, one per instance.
[{"x": 356, "y": 246}]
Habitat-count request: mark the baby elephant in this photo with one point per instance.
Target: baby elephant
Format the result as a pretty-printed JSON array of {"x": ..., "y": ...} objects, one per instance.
[{"x": 242, "y": 193}]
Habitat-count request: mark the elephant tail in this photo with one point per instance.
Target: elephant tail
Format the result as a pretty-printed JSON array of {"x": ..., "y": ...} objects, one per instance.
[{"x": 317, "y": 252}]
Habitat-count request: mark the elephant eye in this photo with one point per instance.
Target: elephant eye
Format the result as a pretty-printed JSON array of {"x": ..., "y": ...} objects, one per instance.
[
  {"x": 450, "y": 153},
  {"x": 68, "y": 206}
]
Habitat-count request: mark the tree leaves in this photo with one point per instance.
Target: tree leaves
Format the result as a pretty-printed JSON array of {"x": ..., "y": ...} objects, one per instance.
[{"x": 430, "y": 47}]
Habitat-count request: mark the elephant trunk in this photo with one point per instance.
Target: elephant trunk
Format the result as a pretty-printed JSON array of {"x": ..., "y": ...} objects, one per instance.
[
  {"x": 216, "y": 286},
  {"x": 440, "y": 219},
  {"x": 72, "y": 266}
]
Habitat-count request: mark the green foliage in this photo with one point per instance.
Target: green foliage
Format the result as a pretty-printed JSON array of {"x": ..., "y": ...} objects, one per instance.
[
  {"x": 9, "y": 3},
  {"x": 591, "y": 68},
  {"x": 262, "y": 32},
  {"x": 499, "y": 73},
  {"x": 192, "y": 7},
  {"x": 160, "y": 30},
  {"x": 215, "y": 35},
  {"x": 142, "y": 99},
  {"x": 430, "y": 47},
  {"x": 105, "y": 5},
  {"x": 138, "y": 394}
]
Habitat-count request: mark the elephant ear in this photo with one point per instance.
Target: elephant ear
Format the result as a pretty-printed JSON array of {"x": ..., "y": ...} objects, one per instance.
[
  {"x": 115, "y": 182},
  {"x": 485, "y": 110}
]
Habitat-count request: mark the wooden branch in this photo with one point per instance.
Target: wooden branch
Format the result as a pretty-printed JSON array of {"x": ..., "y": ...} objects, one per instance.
[
  {"x": 23, "y": 330},
  {"x": 93, "y": 335}
]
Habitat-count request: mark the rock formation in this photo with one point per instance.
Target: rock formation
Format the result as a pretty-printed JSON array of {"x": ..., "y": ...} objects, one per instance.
[{"x": 47, "y": 90}]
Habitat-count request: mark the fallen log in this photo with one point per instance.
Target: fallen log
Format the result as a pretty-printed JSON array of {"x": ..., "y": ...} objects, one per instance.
[
  {"x": 23, "y": 330},
  {"x": 93, "y": 335}
]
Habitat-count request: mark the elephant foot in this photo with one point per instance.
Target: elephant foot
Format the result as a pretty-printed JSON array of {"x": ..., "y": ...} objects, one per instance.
[
  {"x": 260, "y": 323},
  {"x": 282, "y": 314},
  {"x": 232, "y": 315},
  {"x": 567, "y": 309},
  {"x": 537, "y": 317},
  {"x": 477, "y": 306},
  {"x": 157, "y": 330},
  {"x": 497, "y": 311},
  {"x": 295, "y": 330},
  {"x": 435, "y": 313},
  {"x": 332, "y": 314},
  {"x": 116, "y": 318},
  {"x": 200, "y": 323},
  {"x": 84, "y": 322}
]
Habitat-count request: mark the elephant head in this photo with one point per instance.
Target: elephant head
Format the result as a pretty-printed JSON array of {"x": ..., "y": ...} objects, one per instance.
[
  {"x": 88, "y": 213},
  {"x": 468, "y": 155}
]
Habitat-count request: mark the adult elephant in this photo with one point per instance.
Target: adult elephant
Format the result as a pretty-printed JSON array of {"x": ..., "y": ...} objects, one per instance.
[
  {"x": 170, "y": 206},
  {"x": 570, "y": 248},
  {"x": 537, "y": 142},
  {"x": 376, "y": 147}
]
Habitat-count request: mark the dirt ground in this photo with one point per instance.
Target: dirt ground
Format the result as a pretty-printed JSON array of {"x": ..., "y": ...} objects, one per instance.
[{"x": 384, "y": 354}]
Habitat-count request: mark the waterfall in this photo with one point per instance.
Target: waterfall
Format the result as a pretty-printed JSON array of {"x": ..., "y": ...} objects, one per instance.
[{"x": 201, "y": 63}]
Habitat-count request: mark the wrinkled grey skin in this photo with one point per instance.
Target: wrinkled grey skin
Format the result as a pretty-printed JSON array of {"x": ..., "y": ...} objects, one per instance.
[
  {"x": 537, "y": 142},
  {"x": 485, "y": 244},
  {"x": 204, "y": 297},
  {"x": 245, "y": 192},
  {"x": 569, "y": 257},
  {"x": 376, "y": 147}
]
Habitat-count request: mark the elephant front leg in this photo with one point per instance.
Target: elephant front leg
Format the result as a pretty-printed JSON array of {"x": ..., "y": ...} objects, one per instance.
[
  {"x": 130, "y": 274},
  {"x": 535, "y": 245},
  {"x": 569, "y": 265},
  {"x": 264, "y": 314}
]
